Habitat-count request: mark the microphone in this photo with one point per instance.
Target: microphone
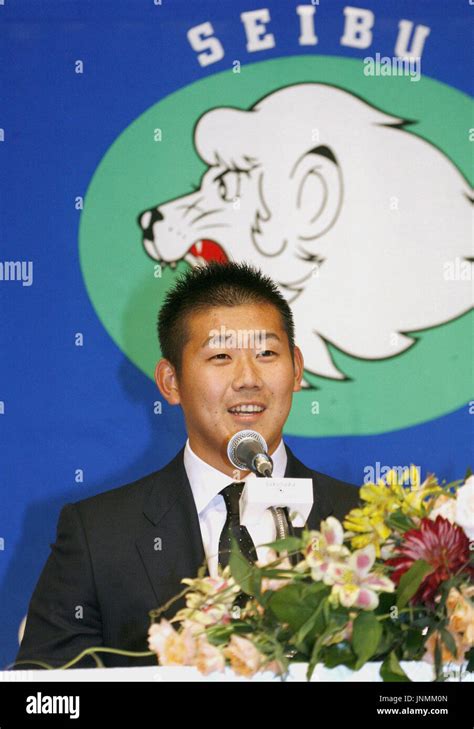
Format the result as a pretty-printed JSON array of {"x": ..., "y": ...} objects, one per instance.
[{"x": 248, "y": 451}]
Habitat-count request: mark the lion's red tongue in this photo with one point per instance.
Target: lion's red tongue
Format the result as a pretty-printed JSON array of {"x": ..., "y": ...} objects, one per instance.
[{"x": 209, "y": 250}]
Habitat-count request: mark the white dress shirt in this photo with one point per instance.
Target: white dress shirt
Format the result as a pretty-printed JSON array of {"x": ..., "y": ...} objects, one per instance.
[{"x": 206, "y": 482}]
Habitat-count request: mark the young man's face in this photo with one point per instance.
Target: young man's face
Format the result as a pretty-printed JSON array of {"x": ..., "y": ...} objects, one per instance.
[{"x": 252, "y": 369}]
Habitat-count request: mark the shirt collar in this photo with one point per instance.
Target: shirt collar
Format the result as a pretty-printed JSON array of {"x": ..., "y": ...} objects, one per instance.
[{"x": 206, "y": 481}]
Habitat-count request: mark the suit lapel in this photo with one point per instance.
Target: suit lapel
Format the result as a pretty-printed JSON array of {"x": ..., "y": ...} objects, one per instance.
[{"x": 170, "y": 544}]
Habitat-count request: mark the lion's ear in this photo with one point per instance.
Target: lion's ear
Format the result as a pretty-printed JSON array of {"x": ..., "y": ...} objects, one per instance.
[{"x": 318, "y": 192}]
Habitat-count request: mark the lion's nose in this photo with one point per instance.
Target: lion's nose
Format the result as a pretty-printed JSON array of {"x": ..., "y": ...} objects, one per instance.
[{"x": 147, "y": 219}]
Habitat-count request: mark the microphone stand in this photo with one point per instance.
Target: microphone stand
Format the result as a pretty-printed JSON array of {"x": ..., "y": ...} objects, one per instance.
[
  {"x": 283, "y": 525},
  {"x": 284, "y": 528}
]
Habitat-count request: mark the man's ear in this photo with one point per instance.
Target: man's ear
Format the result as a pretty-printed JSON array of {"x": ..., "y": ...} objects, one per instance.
[
  {"x": 299, "y": 369},
  {"x": 318, "y": 191},
  {"x": 167, "y": 382}
]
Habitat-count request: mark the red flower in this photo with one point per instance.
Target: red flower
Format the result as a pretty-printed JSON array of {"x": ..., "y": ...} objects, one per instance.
[{"x": 442, "y": 544}]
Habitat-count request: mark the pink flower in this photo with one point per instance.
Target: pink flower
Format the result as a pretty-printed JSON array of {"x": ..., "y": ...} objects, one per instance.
[
  {"x": 354, "y": 585},
  {"x": 172, "y": 648},
  {"x": 158, "y": 634},
  {"x": 244, "y": 657},
  {"x": 325, "y": 547},
  {"x": 283, "y": 564},
  {"x": 208, "y": 658}
]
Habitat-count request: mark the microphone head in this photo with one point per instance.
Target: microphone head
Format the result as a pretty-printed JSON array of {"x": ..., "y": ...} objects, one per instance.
[{"x": 246, "y": 440}]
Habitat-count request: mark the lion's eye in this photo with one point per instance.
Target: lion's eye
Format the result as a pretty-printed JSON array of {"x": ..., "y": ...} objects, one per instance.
[
  {"x": 312, "y": 194},
  {"x": 229, "y": 186}
]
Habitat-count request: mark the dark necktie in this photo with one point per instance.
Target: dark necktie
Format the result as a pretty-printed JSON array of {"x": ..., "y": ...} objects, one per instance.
[{"x": 233, "y": 527}]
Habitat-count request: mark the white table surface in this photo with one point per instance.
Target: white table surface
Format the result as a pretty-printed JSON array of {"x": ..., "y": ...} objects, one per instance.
[{"x": 370, "y": 672}]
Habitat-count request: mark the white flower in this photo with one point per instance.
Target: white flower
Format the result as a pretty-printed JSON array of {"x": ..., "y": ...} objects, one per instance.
[
  {"x": 458, "y": 509},
  {"x": 446, "y": 507},
  {"x": 465, "y": 507}
]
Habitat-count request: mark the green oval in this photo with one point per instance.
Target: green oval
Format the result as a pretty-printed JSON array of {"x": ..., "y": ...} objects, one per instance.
[{"x": 430, "y": 379}]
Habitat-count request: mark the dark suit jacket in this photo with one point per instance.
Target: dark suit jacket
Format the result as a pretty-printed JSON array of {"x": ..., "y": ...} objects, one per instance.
[{"x": 123, "y": 552}]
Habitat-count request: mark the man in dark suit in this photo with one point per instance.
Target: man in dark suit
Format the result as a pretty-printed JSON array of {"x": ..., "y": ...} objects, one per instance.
[{"x": 124, "y": 552}]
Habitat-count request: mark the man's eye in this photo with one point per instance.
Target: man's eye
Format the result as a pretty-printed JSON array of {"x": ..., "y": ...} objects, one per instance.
[
  {"x": 267, "y": 352},
  {"x": 218, "y": 356}
]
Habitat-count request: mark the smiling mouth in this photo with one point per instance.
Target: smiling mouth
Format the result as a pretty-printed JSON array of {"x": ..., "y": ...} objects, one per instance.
[
  {"x": 247, "y": 413},
  {"x": 204, "y": 251}
]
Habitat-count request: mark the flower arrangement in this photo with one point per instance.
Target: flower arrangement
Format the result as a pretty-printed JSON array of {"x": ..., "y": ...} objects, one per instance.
[{"x": 392, "y": 583}]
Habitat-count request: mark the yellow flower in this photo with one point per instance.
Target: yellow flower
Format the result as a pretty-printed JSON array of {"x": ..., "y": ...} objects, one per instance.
[
  {"x": 380, "y": 495},
  {"x": 398, "y": 492},
  {"x": 366, "y": 526}
]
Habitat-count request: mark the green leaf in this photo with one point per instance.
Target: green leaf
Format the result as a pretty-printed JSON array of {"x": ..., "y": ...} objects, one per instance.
[
  {"x": 411, "y": 581},
  {"x": 400, "y": 521},
  {"x": 386, "y": 601},
  {"x": 437, "y": 660},
  {"x": 390, "y": 633},
  {"x": 339, "y": 654},
  {"x": 288, "y": 544},
  {"x": 295, "y": 603},
  {"x": 449, "y": 642},
  {"x": 317, "y": 648},
  {"x": 470, "y": 660},
  {"x": 220, "y": 635},
  {"x": 391, "y": 670},
  {"x": 366, "y": 635},
  {"x": 275, "y": 574},
  {"x": 314, "y": 625},
  {"x": 287, "y": 606},
  {"x": 413, "y": 644},
  {"x": 246, "y": 576},
  {"x": 314, "y": 588}
]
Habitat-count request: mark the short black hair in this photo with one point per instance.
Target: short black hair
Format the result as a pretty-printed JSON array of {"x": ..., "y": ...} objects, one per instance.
[{"x": 212, "y": 285}]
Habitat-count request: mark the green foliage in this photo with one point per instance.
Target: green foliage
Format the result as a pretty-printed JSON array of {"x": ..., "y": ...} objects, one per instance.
[
  {"x": 391, "y": 670},
  {"x": 470, "y": 660},
  {"x": 339, "y": 654},
  {"x": 366, "y": 636},
  {"x": 449, "y": 641},
  {"x": 296, "y": 603},
  {"x": 289, "y": 544},
  {"x": 246, "y": 575},
  {"x": 411, "y": 581},
  {"x": 399, "y": 521}
]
